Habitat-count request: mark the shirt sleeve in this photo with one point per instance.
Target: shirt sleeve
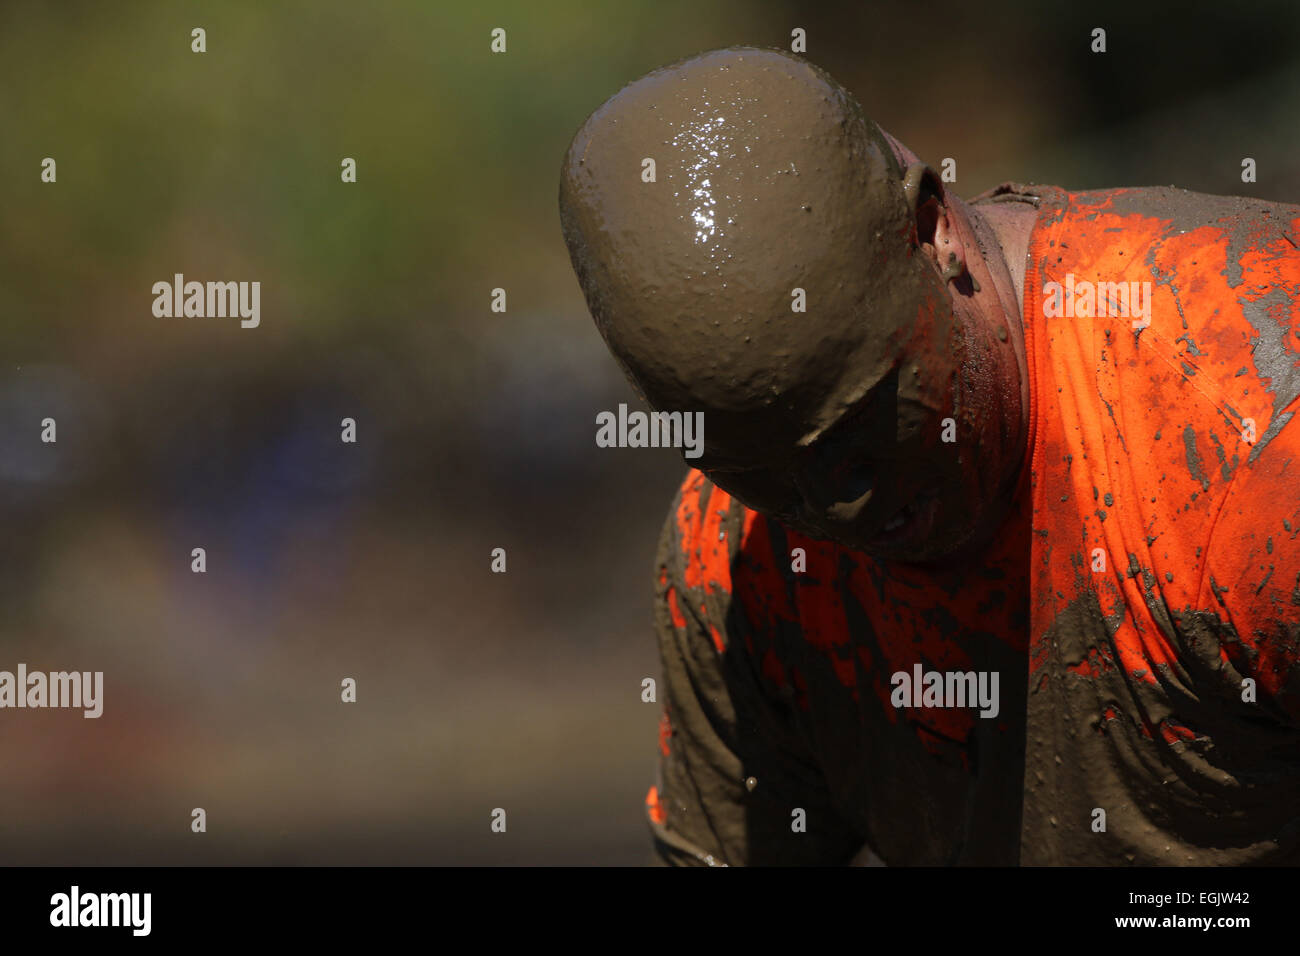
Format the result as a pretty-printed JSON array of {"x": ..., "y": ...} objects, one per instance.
[{"x": 737, "y": 783}]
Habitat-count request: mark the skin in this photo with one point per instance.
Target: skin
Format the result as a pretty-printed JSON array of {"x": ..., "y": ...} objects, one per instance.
[
  {"x": 831, "y": 422},
  {"x": 991, "y": 245}
]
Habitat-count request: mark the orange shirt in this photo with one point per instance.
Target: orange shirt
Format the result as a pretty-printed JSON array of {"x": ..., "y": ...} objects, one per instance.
[
  {"x": 1165, "y": 567},
  {"x": 1148, "y": 568}
]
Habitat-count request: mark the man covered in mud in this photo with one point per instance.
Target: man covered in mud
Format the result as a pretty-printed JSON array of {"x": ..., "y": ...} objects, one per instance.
[{"x": 990, "y": 556}]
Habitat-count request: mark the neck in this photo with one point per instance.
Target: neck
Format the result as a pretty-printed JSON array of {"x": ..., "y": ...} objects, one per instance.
[
  {"x": 1010, "y": 225},
  {"x": 996, "y": 241},
  {"x": 999, "y": 252}
]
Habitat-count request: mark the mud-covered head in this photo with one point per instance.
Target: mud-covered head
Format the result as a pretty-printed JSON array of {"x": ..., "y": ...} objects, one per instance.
[{"x": 743, "y": 238}]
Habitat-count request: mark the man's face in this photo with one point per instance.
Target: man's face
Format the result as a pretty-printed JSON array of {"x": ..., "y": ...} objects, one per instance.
[
  {"x": 894, "y": 474},
  {"x": 914, "y": 468}
]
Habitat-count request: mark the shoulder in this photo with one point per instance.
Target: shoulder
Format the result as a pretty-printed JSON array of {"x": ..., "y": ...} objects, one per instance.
[
  {"x": 1241, "y": 223},
  {"x": 709, "y": 537},
  {"x": 735, "y": 567}
]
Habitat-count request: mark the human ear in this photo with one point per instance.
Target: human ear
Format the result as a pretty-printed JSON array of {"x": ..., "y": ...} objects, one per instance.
[{"x": 924, "y": 194}]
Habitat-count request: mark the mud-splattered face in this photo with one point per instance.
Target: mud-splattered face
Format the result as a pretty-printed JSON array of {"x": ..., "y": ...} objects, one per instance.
[
  {"x": 742, "y": 236},
  {"x": 902, "y": 473}
]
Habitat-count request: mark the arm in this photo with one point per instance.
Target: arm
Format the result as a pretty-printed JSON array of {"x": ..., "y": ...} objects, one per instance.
[{"x": 721, "y": 726}]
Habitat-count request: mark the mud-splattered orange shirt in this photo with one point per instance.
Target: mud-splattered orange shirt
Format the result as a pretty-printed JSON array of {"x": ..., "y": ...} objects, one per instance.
[
  {"x": 1165, "y": 661},
  {"x": 1141, "y": 604}
]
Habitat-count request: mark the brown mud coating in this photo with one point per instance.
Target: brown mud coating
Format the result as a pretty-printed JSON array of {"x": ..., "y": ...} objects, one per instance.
[
  {"x": 757, "y": 686},
  {"x": 770, "y": 179},
  {"x": 763, "y": 167},
  {"x": 1226, "y": 798}
]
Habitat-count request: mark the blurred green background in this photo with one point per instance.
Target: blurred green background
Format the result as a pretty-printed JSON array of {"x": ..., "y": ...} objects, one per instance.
[{"x": 476, "y": 429}]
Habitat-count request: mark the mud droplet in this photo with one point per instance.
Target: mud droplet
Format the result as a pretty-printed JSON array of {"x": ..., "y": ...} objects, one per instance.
[{"x": 751, "y": 783}]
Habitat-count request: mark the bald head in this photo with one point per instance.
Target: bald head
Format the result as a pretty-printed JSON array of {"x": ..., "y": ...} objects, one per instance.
[
  {"x": 768, "y": 179},
  {"x": 750, "y": 248}
]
